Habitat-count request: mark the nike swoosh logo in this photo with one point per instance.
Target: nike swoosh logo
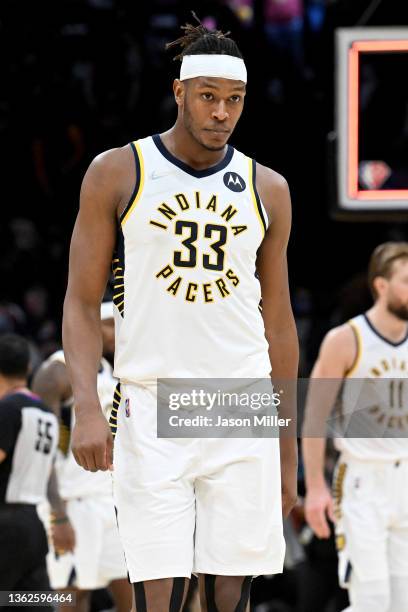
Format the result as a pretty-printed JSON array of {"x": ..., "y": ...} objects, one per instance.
[{"x": 155, "y": 175}]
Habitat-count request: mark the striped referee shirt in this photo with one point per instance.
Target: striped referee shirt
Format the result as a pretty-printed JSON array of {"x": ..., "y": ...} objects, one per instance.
[{"x": 29, "y": 437}]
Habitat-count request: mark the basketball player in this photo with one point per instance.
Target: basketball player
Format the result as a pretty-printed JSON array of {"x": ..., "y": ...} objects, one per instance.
[
  {"x": 28, "y": 444},
  {"x": 193, "y": 220},
  {"x": 368, "y": 357},
  {"x": 97, "y": 560}
]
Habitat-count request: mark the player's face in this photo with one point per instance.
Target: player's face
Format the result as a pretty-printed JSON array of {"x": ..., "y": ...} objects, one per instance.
[
  {"x": 211, "y": 109},
  {"x": 397, "y": 290},
  {"x": 108, "y": 337}
]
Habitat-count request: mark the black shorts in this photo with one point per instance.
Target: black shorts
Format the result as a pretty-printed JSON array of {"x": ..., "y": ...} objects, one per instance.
[{"x": 23, "y": 549}]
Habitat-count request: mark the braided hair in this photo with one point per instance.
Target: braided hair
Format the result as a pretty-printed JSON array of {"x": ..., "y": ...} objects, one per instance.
[{"x": 198, "y": 40}]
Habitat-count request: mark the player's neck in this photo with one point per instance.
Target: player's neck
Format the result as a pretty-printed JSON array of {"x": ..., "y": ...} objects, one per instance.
[
  {"x": 182, "y": 145},
  {"x": 387, "y": 324},
  {"x": 10, "y": 385}
]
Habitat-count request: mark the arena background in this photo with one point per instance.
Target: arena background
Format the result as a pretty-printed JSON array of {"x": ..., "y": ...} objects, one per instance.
[{"x": 82, "y": 76}]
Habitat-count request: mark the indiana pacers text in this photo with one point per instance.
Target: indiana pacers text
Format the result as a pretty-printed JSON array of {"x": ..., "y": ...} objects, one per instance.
[{"x": 215, "y": 233}]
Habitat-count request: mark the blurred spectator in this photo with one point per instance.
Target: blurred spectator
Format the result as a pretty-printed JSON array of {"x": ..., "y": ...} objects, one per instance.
[
  {"x": 284, "y": 29},
  {"x": 24, "y": 257},
  {"x": 39, "y": 326},
  {"x": 58, "y": 144},
  {"x": 12, "y": 319},
  {"x": 316, "y": 14},
  {"x": 244, "y": 10}
]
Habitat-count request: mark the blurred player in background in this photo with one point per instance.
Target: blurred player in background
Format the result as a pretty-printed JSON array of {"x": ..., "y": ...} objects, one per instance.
[
  {"x": 28, "y": 444},
  {"x": 97, "y": 559},
  {"x": 368, "y": 358}
]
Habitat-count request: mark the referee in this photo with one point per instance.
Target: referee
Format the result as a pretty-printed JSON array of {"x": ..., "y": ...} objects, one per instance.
[{"x": 28, "y": 442}]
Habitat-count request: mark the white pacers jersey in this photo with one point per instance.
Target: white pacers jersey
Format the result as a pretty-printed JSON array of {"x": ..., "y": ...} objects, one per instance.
[
  {"x": 375, "y": 397},
  {"x": 186, "y": 294},
  {"x": 74, "y": 481}
]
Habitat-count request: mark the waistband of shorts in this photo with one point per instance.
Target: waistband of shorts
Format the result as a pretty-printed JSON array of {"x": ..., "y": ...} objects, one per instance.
[
  {"x": 148, "y": 383},
  {"x": 347, "y": 457}
]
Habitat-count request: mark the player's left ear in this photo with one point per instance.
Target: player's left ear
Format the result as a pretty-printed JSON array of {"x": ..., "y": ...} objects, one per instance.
[
  {"x": 179, "y": 91},
  {"x": 380, "y": 285}
]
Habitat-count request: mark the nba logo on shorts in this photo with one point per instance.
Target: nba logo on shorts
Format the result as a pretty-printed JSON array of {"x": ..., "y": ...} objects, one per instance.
[{"x": 127, "y": 407}]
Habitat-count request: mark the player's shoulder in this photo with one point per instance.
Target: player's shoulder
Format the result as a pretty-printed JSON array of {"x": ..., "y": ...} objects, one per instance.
[
  {"x": 11, "y": 418},
  {"x": 112, "y": 161},
  {"x": 266, "y": 175},
  {"x": 56, "y": 357},
  {"x": 272, "y": 186},
  {"x": 12, "y": 400},
  {"x": 339, "y": 340},
  {"x": 271, "y": 178},
  {"x": 338, "y": 353},
  {"x": 16, "y": 402},
  {"x": 273, "y": 190},
  {"x": 54, "y": 363},
  {"x": 52, "y": 373},
  {"x": 109, "y": 179},
  {"x": 10, "y": 403}
]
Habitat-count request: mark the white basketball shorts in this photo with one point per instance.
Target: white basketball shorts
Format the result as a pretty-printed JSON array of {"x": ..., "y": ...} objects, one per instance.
[
  {"x": 192, "y": 505},
  {"x": 98, "y": 556},
  {"x": 371, "y": 503}
]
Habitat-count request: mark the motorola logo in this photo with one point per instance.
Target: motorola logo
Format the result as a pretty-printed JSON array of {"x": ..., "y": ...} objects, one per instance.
[{"x": 233, "y": 181}]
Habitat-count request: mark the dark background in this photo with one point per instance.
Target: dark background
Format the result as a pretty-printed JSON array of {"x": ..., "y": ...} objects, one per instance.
[{"x": 81, "y": 76}]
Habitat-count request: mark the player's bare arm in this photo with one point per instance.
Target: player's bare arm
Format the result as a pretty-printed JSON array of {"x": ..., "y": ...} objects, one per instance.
[
  {"x": 106, "y": 188},
  {"x": 280, "y": 328},
  {"x": 62, "y": 532},
  {"x": 336, "y": 357}
]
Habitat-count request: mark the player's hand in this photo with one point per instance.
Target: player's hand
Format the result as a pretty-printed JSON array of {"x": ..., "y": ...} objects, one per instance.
[
  {"x": 92, "y": 443},
  {"x": 318, "y": 508},
  {"x": 62, "y": 537}
]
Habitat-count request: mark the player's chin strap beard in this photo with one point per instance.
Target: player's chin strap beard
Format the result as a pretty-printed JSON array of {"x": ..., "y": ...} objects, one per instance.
[{"x": 209, "y": 582}]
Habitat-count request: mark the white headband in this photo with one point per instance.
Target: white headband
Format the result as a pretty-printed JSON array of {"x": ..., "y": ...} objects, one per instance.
[
  {"x": 221, "y": 66},
  {"x": 106, "y": 311}
]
